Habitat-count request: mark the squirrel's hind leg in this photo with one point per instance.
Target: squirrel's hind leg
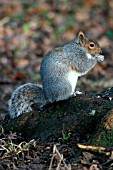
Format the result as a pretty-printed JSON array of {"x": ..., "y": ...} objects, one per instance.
[{"x": 60, "y": 90}]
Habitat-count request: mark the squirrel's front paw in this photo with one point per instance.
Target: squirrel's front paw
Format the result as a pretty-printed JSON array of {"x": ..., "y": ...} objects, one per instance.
[{"x": 100, "y": 58}]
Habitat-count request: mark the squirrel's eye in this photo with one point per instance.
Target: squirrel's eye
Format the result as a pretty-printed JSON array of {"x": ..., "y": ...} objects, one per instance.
[{"x": 92, "y": 45}]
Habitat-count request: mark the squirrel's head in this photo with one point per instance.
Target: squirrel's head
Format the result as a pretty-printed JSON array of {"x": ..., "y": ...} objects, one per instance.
[{"x": 90, "y": 44}]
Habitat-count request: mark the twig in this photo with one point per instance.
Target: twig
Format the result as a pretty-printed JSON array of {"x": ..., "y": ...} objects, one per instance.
[
  {"x": 4, "y": 148},
  {"x": 61, "y": 159},
  {"x": 97, "y": 148}
]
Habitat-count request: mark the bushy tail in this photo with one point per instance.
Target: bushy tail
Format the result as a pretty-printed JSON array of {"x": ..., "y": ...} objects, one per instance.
[{"x": 24, "y": 97}]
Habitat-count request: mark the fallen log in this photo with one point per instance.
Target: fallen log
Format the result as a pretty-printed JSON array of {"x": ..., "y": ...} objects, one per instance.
[{"x": 85, "y": 117}]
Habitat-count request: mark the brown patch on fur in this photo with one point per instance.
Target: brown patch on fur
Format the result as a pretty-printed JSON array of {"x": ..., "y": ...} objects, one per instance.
[{"x": 74, "y": 68}]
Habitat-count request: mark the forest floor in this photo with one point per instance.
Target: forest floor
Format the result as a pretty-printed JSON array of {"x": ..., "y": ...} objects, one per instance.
[{"x": 27, "y": 32}]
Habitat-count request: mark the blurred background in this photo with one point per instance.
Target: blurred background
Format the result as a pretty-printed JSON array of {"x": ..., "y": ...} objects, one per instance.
[{"x": 31, "y": 28}]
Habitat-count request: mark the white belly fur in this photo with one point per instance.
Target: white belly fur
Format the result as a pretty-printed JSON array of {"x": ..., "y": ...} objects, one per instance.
[
  {"x": 89, "y": 56},
  {"x": 72, "y": 78}
]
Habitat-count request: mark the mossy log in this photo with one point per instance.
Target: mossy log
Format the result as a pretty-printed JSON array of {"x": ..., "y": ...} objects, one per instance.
[{"x": 85, "y": 117}]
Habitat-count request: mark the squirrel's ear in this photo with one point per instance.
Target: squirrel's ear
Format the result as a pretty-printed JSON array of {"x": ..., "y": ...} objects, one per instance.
[{"x": 81, "y": 38}]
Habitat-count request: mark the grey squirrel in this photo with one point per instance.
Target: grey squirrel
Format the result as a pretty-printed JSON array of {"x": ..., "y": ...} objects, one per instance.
[{"x": 60, "y": 69}]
